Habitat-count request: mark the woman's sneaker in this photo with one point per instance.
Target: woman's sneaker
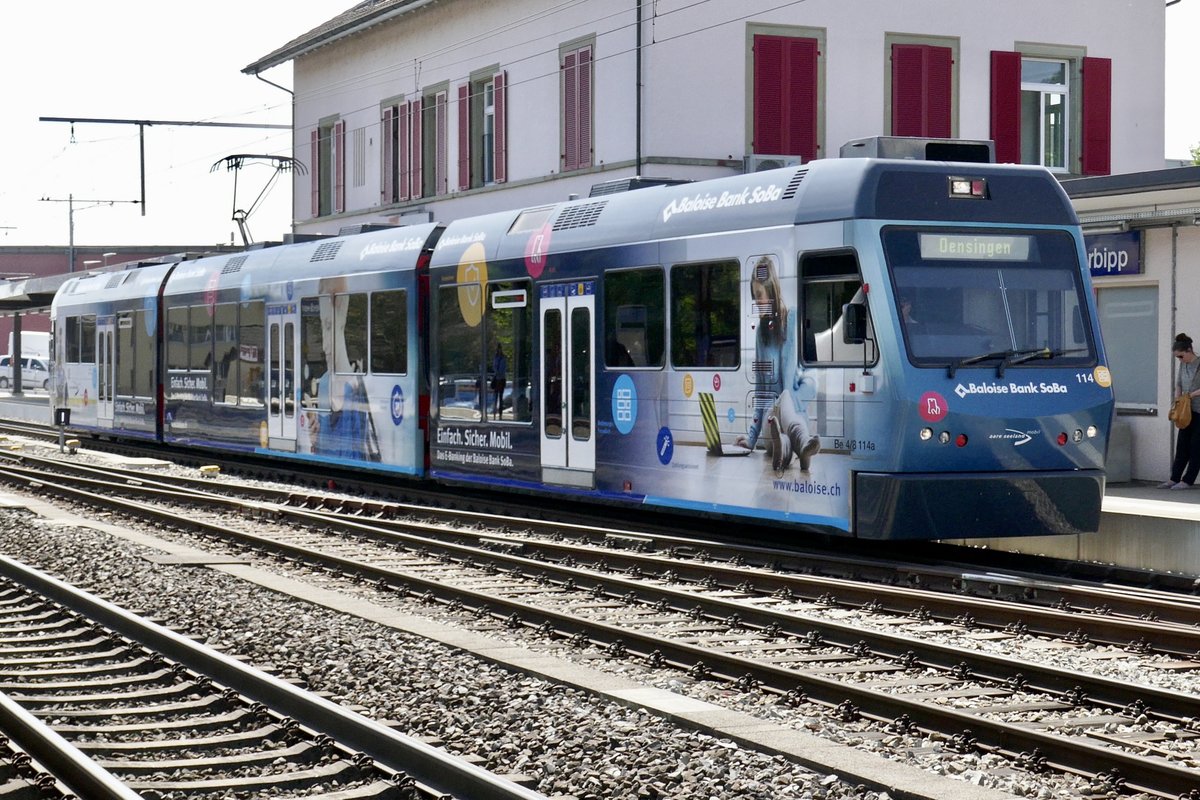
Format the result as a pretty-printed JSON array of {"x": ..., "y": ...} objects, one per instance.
[
  {"x": 1167, "y": 485},
  {"x": 1182, "y": 485}
]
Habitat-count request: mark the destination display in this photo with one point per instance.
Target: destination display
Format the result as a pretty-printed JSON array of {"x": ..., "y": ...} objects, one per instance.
[{"x": 974, "y": 246}]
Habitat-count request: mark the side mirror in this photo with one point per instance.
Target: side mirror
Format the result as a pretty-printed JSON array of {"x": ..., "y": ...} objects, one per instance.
[{"x": 854, "y": 323}]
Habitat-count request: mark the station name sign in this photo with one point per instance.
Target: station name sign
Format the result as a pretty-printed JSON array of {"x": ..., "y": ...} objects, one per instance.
[{"x": 1114, "y": 253}]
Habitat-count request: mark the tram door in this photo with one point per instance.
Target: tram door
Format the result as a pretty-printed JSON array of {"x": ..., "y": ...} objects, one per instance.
[
  {"x": 106, "y": 371},
  {"x": 282, "y": 358},
  {"x": 568, "y": 376}
]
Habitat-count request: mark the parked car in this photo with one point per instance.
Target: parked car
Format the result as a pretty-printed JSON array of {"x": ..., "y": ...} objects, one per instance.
[{"x": 35, "y": 373}]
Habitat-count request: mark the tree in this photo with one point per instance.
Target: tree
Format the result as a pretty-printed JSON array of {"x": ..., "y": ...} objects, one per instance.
[{"x": 1196, "y": 154}]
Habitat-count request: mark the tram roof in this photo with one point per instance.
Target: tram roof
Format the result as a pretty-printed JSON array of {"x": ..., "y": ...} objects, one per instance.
[{"x": 821, "y": 191}]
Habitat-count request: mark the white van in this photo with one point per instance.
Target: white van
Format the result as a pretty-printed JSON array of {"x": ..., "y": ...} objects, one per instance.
[{"x": 35, "y": 373}]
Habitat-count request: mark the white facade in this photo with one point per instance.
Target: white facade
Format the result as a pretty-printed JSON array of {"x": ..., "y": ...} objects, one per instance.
[
  {"x": 697, "y": 86},
  {"x": 1141, "y": 312}
]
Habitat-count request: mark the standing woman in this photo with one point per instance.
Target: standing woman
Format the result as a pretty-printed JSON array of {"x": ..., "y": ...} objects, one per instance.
[{"x": 1186, "y": 465}]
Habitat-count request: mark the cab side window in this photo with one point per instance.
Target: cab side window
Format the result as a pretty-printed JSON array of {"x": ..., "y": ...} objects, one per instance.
[{"x": 828, "y": 281}]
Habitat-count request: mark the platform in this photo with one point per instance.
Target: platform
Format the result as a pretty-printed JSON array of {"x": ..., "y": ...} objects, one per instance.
[{"x": 1141, "y": 527}]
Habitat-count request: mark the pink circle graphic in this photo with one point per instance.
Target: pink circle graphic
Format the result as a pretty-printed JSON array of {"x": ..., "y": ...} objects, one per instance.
[
  {"x": 535, "y": 251},
  {"x": 933, "y": 407}
]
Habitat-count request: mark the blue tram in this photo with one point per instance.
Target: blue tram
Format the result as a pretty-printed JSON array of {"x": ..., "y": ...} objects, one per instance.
[{"x": 879, "y": 348}]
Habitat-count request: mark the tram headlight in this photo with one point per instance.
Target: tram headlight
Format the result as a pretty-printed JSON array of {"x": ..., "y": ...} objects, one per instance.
[
  {"x": 961, "y": 440},
  {"x": 926, "y": 434},
  {"x": 1077, "y": 436},
  {"x": 944, "y": 437},
  {"x": 1092, "y": 432},
  {"x": 1062, "y": 438}
]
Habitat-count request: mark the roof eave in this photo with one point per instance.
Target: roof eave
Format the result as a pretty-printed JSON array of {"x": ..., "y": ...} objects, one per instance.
[{"x": 313, "y": 40}]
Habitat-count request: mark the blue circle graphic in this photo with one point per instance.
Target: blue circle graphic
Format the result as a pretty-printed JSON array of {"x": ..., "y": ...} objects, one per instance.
[
  {"x": 397, "y": 404},
  {"x": 665, "y": 445},
  {"x": 624, "y": 404}
]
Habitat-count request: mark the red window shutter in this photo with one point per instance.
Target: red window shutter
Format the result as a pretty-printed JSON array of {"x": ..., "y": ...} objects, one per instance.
[
  {"x": 388, "y": 135},
  {"x": 1006, "y": 106},
  {"x": 785, "y": 96},
  {"x": 404, "y": 150},
  {"x": 1097, "y": 116},
  {"x": 570, "y": 115},
  {"x": 339, "y": 166},
  {"x": 499, "y": 140},
  {"x": 584, "y": 110},
  {"x": 939, "y": 91},
  {"x": 315, "y": 170},
  {"x": 768, "y": 95},
  {"x": 464, "y": 137},
  {"x": 921, "y": 90},
  {"x": 416, "y": 152}
]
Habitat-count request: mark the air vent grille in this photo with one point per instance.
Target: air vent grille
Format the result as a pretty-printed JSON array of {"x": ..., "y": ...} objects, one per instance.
[
  {"x": 233, "y": 265},
  {"x": 327, "y": 251},
  {"x": 794, "y": 184},
  {"x": 580, "y": 216}
]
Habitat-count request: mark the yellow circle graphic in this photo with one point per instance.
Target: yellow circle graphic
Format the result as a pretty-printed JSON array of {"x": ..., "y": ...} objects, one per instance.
[
  {"x": 689, "y": 385},
  {"x": 1103, "y": 376},
  {"x": 472, "y": 277}
]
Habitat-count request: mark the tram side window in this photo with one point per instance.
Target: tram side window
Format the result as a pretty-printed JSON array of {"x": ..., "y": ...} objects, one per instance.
[
  {"x": 71, "y": 327},
  {"x": 225, "y": 352},
  {"x": 509, "y": 349},
  {"x": 828, "y": 281},
  {"x": 314, "y": 364},
  {"x": 389, "y": 333},
  {"x": 634, "y": 318},
  {"x": 70, "y": 340},
  {"x": 200, "y": 350},
  {"x": 705, "y": 315},
  {"x": 460, "y": 353},
  {"x": 177, "y": 338},
  {"x": 143, "y": 357},
  {"x": 87, "y": 339},
  {"x": 135, "y": 356},
  {"x": 252, "y": 323},
  {"x": 350, "y": 315},
  {"x": 125, "y": 364}
]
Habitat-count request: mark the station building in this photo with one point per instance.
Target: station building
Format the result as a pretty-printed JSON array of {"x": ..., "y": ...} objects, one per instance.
[{"x": 408, "y": 110}]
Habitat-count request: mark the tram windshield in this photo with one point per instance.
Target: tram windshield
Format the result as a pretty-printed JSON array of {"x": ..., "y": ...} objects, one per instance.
[{"x": 987, "y": 297}]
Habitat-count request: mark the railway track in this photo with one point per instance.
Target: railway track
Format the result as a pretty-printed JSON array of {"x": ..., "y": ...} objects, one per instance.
[
  {"x": 669, "y": 610},
  {"x": 158, "y": 715}
]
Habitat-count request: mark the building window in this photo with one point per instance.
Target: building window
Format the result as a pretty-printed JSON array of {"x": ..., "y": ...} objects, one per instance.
[
  {"x": 786, "y": 96},
  {"x": 1053, "y": 109},
  {"x": 328, "y": 168},
  {"x": 434, "y": 178},
  {"x": 1044, "y": 112},
  {"x": 922, "y": 87},
  {"x": 577, "y": 70},
  {"x": 1129, "y": 321},
  {"x": 482, "y": 104},
  {"x": 401, "y": 161}
]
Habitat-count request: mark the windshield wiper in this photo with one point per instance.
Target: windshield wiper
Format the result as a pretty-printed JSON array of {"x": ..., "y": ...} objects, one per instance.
[
  {"x": 1010, "y": 358},
  {"x": 1043, "y": 352},
  {"x": 954, "y": 366}
]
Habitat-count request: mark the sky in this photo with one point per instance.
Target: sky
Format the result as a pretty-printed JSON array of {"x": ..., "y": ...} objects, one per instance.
[
  {"x": 143, "y": 59},
  {"x": 164, "y": 60}
]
